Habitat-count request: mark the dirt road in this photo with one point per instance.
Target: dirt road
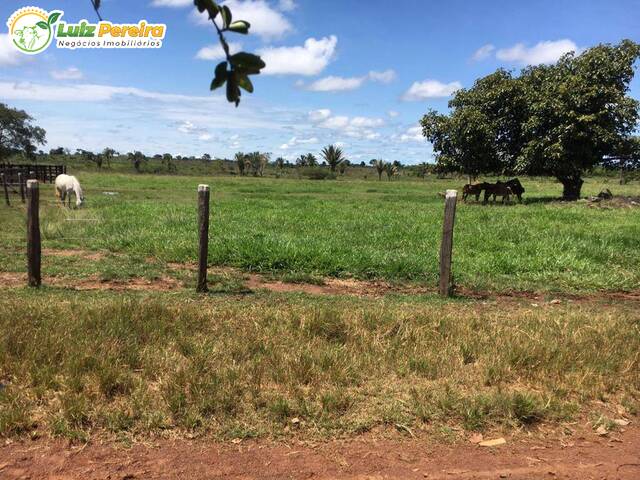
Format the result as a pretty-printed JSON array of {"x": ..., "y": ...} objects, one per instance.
[{"x": 582, "y": 456}]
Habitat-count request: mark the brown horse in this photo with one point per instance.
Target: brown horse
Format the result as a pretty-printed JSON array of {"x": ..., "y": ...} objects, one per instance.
[
  {"x": 473, "y": 189},
  {"x": 498, "y": 189}
]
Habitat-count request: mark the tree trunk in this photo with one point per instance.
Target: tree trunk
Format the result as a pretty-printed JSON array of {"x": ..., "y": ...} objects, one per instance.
[
  {"x": 623, "y": 180},
  {"x": 572, "y": 186}
]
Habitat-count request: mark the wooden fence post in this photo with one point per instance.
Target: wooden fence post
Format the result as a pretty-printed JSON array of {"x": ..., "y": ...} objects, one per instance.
[
  {"x": 21, "y": 182},
  {"x": 6, "y": 190},
  {"x": 446, "y": 283},
  {"x": 203, "y": 229},
  {"x": 34, "y": 249}
]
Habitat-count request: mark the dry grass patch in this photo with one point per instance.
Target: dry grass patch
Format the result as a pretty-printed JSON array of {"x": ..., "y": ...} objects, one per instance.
[{"x": 279, "y": 365}]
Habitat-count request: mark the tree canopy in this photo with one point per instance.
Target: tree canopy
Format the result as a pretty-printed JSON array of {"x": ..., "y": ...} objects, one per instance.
[
  {"x": 18, "y": 133},
  {"x": 559, "y": 120}
]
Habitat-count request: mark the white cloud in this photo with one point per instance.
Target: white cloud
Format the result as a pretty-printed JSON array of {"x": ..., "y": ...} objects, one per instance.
[
  {"x": 360, "y": 122},
  {"x": 287, "y": 5},
  {"x": 543, "y": 52},
  {"x": 309, "y": 59},
  {"x": 413, "y": 134},
  {"x": 430, "y": 89},
  {"x": 387, "y": 76},
  {"x": 204, "y": 137},
  {"x": 335, "y": 123},
  {"x": 336, "y": 84},
  {"x": 9, "y": 55},
  {"x": 171, "y": 3},
  {"x": 319, "y": 115},
  {"x": 393, "y": 113},
  {"x": 298, "y": 141},
  {"x": 340, "y": 84},
  {"x": 215, "y": 51},
  {"x": 80, "y": 93},
  {"x": 265, "y": 21},
  {"x": 187, "y": 127},
  {"x": 356, "y": 127},
  {"x": 483, "y": 52},
  {"x": 71, "y": 73}
]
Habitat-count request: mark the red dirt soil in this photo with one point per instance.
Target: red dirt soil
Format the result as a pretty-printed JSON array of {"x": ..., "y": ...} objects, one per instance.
[
  {"x": 330, "y": 286},
  {"x": 583, "y": 456}
]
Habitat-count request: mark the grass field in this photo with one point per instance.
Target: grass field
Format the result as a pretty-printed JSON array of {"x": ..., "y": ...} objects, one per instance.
[
  {"x": 362, "y": 229},
  {"x": 238, "y": 364},
  {"x": 273, "y": 365}
]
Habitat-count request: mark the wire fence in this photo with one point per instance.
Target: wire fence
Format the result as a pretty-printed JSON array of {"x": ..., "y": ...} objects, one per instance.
[{"x": 33, "y": 218}]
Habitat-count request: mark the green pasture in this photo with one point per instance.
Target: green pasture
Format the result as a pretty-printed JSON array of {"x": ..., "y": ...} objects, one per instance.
[{"x": 347, "y": 228}]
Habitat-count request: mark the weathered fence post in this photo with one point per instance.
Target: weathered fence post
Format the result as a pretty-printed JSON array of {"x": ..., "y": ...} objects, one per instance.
[
  {"x": 446, "y": 248},
  {"x": 6, "y": 190},
  {"x": 203, "y": 229},
  {"x": 34, "y": 251},
  {"x": 21, "y": 182}
]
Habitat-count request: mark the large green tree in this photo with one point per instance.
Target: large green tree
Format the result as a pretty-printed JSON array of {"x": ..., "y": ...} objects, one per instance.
[
  {"x": 579, "y": 113},
  {"x": 18, "y": 134},
  {"x": 559, "y": 120}
]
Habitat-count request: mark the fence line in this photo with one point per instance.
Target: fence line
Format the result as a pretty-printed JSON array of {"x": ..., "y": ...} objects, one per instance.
[{"x": 34, "y": 240}]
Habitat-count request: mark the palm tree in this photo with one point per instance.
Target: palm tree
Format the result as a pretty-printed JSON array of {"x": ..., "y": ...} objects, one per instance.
[
  {"x": 279, "y": 163},
  {"x": 240, "y": 162},
  {"x": 167, "y": 160},
  {"x": 108, "y": 154},
  {"x": 333, "y": 156},
  {"x": 379, "y": 165},
  {"x": 137, "y": 158},
  {"x": 391, "y": 170},
  {"x": 312, "y": 161}
]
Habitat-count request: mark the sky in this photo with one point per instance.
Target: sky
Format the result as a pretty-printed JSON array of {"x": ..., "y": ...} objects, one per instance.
[{"x": 359, "y": 74}]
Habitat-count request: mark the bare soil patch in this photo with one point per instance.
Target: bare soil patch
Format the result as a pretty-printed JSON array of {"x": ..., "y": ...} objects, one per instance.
[
  {"x": 66, "y": 253},
  {"x": 330, "y": 286},
  {"x": 581, "y": 456},
  {"x": 17, "y": 280}
]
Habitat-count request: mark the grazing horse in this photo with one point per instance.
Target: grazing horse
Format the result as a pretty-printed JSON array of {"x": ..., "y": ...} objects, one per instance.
[
  {"x": 65, "y": 186},
  {"x": 473, "y": 189},
  {"x": 498, "y": 189},
  {"x": 516, "y": 188}
]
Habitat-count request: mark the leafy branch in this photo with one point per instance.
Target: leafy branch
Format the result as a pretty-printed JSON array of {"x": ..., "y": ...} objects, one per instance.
[{"x": 236, "y": 69}]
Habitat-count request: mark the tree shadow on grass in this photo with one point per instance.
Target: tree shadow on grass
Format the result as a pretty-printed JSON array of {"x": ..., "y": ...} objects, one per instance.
[{"x": 536, "y": 200}]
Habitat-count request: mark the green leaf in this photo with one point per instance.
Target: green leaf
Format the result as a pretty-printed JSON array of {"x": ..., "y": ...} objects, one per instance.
[
  {"x": 233, "y": 92},
  {"x": 53, "y": 18},
  {"x": 226, "y": 15},
  {"x": 43, "y": 25},
  {"x": 209, "y": 5},
  {"x": 240, "y": 26},
  {"x": 245, "y": 82},
  {"x": 247, "y": 61},
  {"x": 221, "y": 76}
]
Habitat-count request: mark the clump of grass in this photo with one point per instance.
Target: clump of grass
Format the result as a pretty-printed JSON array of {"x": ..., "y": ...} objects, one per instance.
[{"x": 135, "y": 365}]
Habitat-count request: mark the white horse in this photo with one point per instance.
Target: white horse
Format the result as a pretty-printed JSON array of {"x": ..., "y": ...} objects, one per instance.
[{"x": 65, "y": 186}]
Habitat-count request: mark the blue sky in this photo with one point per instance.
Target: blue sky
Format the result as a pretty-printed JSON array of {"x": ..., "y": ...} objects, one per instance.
[{"x": 356, "y": 73}]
